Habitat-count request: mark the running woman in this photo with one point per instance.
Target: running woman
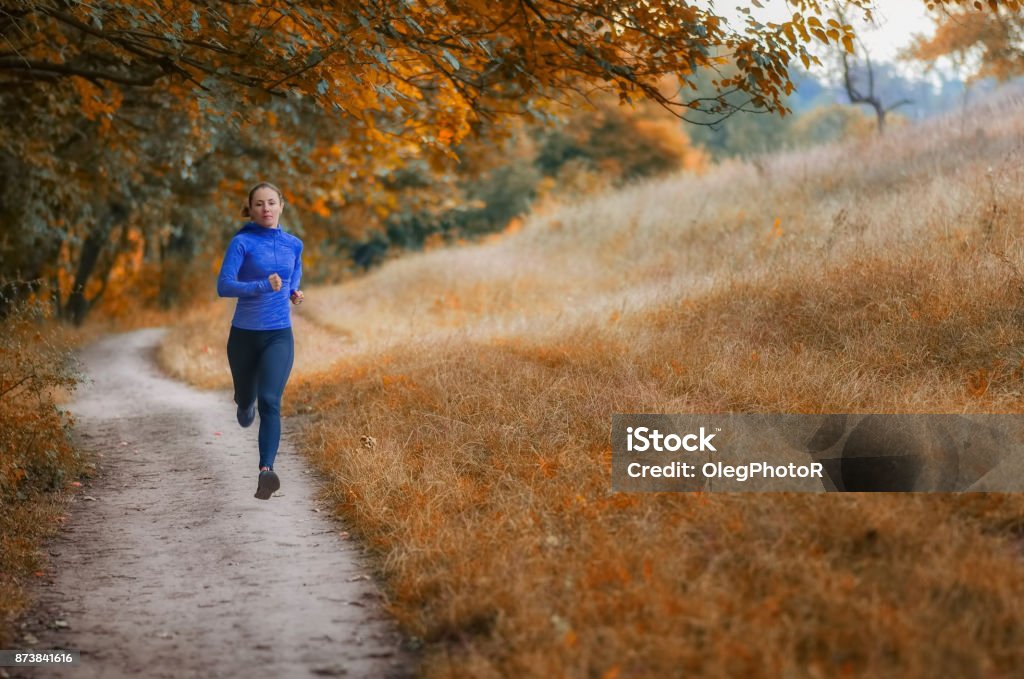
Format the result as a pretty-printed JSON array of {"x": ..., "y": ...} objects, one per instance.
[{"x": 262, "y": 268}]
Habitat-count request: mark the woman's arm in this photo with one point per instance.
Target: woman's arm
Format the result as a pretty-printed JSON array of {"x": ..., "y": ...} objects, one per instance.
[
  {"x": 293, "y": 282},
  {"x": 228, "y": 284}
]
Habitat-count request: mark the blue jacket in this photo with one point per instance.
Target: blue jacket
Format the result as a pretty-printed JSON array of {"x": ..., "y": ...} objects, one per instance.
[{"x": 254, "y": 253}]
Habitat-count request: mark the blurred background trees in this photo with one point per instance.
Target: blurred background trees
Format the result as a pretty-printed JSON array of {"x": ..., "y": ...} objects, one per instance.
[{"x": 131, "y": 130}]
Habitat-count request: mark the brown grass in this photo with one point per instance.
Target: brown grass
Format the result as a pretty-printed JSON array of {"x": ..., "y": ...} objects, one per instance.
[
  {"x": 464, "y": 427},
  {"x": 38, "y": 463},
  {"x": 24, "y": 526}
]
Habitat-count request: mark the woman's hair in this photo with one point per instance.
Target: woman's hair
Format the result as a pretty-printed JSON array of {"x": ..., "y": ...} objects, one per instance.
[{"x": 261, "y": 185}]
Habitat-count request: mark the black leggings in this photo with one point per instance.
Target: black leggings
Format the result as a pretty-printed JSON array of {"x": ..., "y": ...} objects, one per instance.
[{"x": 261, "y": 361}]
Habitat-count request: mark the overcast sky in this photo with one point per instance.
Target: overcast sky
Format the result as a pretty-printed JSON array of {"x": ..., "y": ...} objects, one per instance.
[{"x": 898, "y": 21}]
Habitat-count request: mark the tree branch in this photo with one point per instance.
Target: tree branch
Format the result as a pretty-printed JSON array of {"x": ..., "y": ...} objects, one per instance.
[{"x": 29, "y": 65}]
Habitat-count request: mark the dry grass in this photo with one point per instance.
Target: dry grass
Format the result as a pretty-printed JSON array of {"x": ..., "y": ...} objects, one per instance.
[
  {"x": 24, "y": 526},
  {"x": 879, "y": 278},
  {"x": 38, "y": 463}
]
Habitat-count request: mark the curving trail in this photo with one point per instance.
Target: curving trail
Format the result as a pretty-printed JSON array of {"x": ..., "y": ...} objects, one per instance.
[{"x": 169, "y": 567}]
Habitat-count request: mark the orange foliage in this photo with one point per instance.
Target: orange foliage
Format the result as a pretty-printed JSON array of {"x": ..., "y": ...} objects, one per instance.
[{"x": 995, "y": 33}]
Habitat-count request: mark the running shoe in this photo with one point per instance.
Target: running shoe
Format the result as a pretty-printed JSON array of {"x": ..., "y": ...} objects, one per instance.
[
  {"x": 246, "y": 415},
  {"x": 267, "y": 485}
]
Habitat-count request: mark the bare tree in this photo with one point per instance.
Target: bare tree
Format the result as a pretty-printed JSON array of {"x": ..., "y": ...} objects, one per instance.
[{"x": 853, "y": 89}]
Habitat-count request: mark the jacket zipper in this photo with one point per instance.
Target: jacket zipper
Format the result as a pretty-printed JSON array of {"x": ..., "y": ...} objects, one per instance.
[{"x": 277, "y": 266}]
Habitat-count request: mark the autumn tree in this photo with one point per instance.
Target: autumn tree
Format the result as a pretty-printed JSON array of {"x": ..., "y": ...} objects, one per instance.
[
  {"x": 985, "y": 44},
  {"x": 620, "y": 142},
  {"x": 114, "y": 110}
]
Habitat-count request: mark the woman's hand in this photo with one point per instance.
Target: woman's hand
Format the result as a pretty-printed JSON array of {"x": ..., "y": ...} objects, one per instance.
[
  {"x": 297, "y": 297},
  {"x": 275, "y": 281}
]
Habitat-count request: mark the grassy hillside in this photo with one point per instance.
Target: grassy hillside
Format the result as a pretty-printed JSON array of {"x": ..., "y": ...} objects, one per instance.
[{"x": 462, "y": 402}]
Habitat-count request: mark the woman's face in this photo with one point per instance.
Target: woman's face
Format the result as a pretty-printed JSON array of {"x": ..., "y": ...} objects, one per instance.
[{"x": 265, "y": 207}]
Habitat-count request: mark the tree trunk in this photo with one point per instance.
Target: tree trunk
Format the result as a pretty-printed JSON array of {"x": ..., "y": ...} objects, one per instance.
[
  {"x": 176, "y": 256},
  {"x": 78, "y": 305}
]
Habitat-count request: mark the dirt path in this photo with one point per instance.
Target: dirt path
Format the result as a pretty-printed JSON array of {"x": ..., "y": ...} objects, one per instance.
[{"x": 169, "y": 567}]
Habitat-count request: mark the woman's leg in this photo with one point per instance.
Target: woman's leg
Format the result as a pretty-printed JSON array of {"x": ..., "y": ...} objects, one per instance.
[
  {"x": 243, "y": 357},
  {"x": 275, "y": 366}
]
